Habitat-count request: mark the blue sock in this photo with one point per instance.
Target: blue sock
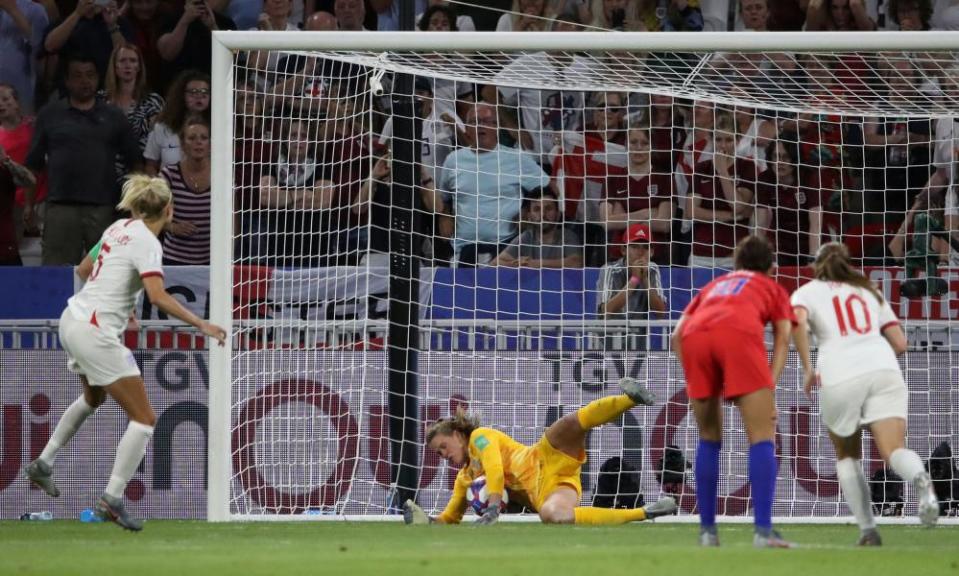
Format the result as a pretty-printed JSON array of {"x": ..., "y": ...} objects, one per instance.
[
  {"x": 707, "y": 482},
  {"x": 762, "y": 477}
]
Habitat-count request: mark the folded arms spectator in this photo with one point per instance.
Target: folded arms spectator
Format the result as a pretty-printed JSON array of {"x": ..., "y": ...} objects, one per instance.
[{"x": 77, "y": 141}]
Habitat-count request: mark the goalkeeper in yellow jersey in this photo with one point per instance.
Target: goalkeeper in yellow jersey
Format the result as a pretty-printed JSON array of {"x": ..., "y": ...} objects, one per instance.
[{"x": 543, "y": 477}]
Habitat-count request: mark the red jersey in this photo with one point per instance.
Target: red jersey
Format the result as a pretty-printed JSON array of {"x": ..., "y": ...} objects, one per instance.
[
  {"x": 742, "y": 300},
  {"x": 16, "y": 142},
  {"x": 789, "y": 207},
  {"x": 640, "y": 193},
  {"x": 718, "y": 239}
]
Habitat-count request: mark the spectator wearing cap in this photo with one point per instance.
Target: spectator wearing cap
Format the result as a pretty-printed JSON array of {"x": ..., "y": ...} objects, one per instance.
[
  {"x": 543, "y": 241},
  {"x": 631, "y": 287}
]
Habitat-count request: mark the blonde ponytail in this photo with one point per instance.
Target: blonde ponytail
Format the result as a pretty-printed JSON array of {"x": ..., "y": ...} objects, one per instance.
[{"x": 145, "y": 196}]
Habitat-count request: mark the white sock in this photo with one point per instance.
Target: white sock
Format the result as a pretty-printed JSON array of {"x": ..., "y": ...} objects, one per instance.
[
  {"x": 907, "y": 464},
  {"x": 68, "y": 425},
  {"x": 130, "y": 451},
  {"x": 856, "y": 491}
]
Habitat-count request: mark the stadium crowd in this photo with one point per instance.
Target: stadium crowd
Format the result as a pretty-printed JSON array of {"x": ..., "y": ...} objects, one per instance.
[{"x": 92, "y": 90}]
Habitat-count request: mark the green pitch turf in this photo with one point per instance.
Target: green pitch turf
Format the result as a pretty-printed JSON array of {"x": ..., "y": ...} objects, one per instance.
[{"x": 171, "y": 548}]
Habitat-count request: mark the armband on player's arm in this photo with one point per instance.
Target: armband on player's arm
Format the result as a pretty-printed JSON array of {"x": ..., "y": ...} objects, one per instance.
[{"x": 85, "y": 268}]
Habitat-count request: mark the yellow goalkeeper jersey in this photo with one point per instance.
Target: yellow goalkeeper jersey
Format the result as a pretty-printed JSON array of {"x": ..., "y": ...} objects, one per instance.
[{"x": 506, "y": 464}]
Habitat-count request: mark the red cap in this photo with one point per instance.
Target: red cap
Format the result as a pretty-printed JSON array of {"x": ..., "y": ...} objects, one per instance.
[{"x": 637, "y": 233}]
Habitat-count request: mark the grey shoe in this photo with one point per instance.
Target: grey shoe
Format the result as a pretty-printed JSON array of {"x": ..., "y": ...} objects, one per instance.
[
  {"x": 869, "y": 537},
  {"x": 413, "y": 514},
  {"x": 771, "y": 540},
  {"x": 708, "y": 539},
  {"x": 40, "y": 474},
  {"x": 112, "y": 509},
  {"x": 662, "y": 507},
  {"x": 928, "y": 503},
  {"x": 637, "y": 392}
]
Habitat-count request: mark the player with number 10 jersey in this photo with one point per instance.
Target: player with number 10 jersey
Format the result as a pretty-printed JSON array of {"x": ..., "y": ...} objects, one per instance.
[{"x": 859, "y": 338}]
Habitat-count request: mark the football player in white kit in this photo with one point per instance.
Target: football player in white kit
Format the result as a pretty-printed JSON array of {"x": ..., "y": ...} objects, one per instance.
[
  {"x": 860, "y": 383},
  {"x": 123, "y": 264}
]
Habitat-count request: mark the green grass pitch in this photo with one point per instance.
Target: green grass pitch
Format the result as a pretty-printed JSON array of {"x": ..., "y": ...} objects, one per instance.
[{"x": 181, "y": 548}]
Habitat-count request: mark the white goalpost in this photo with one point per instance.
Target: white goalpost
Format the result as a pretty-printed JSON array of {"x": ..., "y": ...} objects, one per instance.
[{"x": 385, "y": 250}]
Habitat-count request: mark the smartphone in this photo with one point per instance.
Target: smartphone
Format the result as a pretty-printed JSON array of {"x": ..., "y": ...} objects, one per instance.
[{"x": 102, "y": 3}]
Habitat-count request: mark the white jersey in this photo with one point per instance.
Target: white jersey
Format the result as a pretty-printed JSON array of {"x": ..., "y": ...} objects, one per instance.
[
  {"x": 848, "y": 322},
  {"x": 127, "y": 253}
]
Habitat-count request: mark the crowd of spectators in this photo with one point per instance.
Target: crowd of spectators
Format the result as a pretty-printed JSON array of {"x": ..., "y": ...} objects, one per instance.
[{"x": 520, "y": 177}]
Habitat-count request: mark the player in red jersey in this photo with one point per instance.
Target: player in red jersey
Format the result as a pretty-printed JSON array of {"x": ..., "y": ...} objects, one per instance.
[{"x": 719, "y": 341}]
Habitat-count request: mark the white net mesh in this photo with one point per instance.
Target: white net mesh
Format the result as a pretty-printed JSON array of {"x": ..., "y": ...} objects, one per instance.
[{"x": 521, "y": 206}]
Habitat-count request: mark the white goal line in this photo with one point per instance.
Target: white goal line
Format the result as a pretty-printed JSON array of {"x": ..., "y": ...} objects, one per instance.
[{"x": 532, "y": 518}]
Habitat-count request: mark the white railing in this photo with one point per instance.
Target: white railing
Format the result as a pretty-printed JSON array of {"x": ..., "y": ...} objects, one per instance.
[{"x": 445, "y": 334}]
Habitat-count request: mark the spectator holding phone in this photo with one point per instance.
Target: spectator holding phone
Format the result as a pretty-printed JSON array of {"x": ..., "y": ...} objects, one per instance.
[
  {"x": 94, "y": 29},
  {"x": 187, "y": 39}
]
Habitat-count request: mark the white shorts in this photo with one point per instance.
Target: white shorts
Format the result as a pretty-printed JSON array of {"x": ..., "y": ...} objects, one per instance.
[
  {"x": 101, "y": 358},
  {"x": 868, "y": 398}
]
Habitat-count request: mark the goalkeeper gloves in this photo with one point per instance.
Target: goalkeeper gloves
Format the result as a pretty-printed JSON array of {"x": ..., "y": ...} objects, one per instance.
[
  {"x": 490, "y": 516},
  {"x": 413, "y": 514}
]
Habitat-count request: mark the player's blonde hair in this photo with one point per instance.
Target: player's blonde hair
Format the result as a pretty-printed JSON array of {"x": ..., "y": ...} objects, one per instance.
[
  {"x": 145, "y": 196},
  {"x": 462, "y": 422},
  {"x": 834, "y": 265}
]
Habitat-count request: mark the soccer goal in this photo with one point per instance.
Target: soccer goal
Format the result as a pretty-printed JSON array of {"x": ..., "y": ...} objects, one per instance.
[{"x": 386, "y": 250}]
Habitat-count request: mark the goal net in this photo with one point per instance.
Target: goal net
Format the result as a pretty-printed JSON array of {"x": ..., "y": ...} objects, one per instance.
[{"x": 408, "y": 224}]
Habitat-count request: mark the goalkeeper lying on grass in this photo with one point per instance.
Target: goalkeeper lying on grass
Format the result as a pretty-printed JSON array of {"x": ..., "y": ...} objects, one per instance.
[{"x": 544, "y": 477}]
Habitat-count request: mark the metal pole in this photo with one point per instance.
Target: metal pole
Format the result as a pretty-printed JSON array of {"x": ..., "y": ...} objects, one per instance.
[{"x": 404, "y": 285}]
